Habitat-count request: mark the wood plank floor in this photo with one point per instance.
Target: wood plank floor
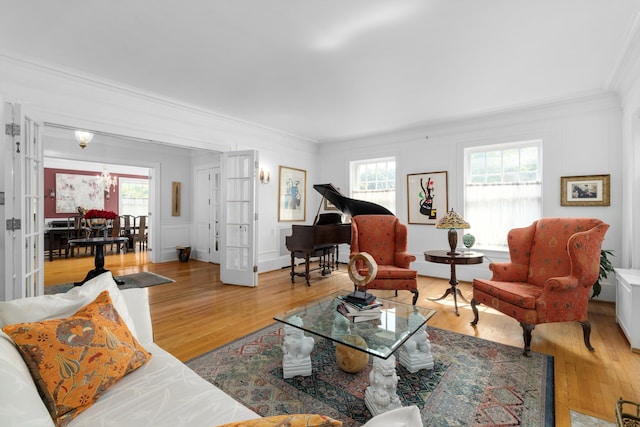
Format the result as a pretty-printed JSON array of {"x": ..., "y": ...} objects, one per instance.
[{"x": 198, "y": 313}]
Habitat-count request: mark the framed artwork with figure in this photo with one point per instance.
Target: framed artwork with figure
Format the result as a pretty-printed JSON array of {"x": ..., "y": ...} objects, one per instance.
[
  {"x": 427, "y": 196},
  {"x": 585, "y": 190},
  {"x": 292, "y": 195}
]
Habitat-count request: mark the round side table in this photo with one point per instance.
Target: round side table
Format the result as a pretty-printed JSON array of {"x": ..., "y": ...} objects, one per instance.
[{"x": 443, "y": 257}]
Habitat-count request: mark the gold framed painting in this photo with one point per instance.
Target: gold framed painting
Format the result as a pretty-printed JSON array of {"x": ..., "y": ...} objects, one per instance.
[
  {"x": 427, "y": 196},
  {"x": 292, "y": 200},
  {"x": 585, "y": 190}
]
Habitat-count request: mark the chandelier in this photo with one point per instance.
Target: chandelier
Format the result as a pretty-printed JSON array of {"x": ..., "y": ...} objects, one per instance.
[{"x": 106, "y": 180}]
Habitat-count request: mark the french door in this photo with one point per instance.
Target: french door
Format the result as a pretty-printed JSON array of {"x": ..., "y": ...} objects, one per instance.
[
  {"x": 23, "y": 213},
  {"x": 238, "y": 264}
]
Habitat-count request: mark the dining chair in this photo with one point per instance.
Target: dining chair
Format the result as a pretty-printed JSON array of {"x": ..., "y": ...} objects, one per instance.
[
  {"x": 140, "y": 231},
  {"x": 77, "y": 230},
  {"x": 116, "y": 231}
]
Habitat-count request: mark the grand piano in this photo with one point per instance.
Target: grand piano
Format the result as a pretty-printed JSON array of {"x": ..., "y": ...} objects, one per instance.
[{"x": 327, "y": 232}]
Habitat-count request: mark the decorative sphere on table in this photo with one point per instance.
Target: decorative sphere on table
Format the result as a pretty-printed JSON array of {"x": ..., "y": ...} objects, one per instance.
[
  {"x": 468, "y": 240},
  {"x": 349, "y": 359}
]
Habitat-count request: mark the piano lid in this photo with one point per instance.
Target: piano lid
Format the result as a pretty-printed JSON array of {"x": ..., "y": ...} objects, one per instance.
[{"x": 349, "y": 206}]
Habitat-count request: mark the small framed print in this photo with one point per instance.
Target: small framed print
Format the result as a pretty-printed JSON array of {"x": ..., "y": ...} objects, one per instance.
[
  {"x": 585, "y": 190},
  {"x": 176, "y": 189},
  {"x": 292, "y": 203},
  {"x": 427, "y": 197}
]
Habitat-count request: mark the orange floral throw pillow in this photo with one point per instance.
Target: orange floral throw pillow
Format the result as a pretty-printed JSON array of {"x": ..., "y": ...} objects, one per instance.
[
  {"x": 291, "y": 420},
  {"x": 74, "y": 360}
]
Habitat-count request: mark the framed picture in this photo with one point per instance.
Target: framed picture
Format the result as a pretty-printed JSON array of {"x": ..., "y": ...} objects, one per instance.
[
  {"x": 175, "y": 198},
  {"x": 328, "y": 206},
  {"x": 292, "y": 196},
  {"x": 427, "y": 197},
  {"x": 74, "y": 190},
  {"x": 585, "y": 190}
]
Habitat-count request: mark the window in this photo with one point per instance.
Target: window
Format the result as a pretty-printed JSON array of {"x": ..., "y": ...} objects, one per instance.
[
  {"x": 134, "y": 196},
  {"x": 374, "y": 180},
  {"x": 503, "y": 190}
]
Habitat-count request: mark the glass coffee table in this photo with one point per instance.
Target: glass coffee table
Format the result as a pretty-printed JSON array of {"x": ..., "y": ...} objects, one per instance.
[{"x": 398, "y": 326}]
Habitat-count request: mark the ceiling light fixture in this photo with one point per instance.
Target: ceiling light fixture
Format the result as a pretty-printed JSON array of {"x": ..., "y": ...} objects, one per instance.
[
  {"x": 106, "y": 180},
  {"x": 83, "y": 137}
]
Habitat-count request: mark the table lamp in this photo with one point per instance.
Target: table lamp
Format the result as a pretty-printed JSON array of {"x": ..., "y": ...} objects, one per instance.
[{"x": 452, "y": 221}]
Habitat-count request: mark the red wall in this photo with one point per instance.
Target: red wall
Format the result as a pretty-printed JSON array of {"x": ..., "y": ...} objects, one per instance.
[{"x": 50, "y": 182}]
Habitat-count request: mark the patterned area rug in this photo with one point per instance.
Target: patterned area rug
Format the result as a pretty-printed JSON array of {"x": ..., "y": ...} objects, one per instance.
[
  {"x": 474, "y": 382},
  {"x": 136, "y": 280}
]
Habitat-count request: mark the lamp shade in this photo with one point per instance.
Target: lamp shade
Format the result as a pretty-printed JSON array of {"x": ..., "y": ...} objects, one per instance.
[{"x": 452, "y": 221}]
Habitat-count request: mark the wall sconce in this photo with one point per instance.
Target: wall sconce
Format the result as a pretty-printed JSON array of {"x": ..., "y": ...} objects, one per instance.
[
  {"x": 52, "y": 193},
  {"x": 265, "y": 176},
  {"x": 83, "y": 137}
]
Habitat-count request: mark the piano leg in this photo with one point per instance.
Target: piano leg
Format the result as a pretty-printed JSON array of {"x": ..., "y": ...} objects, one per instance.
[
  {"x": 293, "y": 268},
  {"x": 307, "y": 275}
]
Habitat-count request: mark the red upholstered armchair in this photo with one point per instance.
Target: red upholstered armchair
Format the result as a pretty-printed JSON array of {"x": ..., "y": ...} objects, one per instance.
[
  {"x": 385, "y": 239},
  {"x": 554, "y": 264}
]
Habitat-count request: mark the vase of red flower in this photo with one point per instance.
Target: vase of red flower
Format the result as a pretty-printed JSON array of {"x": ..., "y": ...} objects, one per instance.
[{"x": 99, "y": 216}]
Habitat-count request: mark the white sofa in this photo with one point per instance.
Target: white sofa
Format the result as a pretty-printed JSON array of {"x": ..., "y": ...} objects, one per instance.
[{"x": 163, "y": 392}]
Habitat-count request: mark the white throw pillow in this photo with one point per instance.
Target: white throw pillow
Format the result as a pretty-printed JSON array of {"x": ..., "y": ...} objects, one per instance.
[
  {"x": 408, "y": 416},
  {"x": 36, "y": 309}
]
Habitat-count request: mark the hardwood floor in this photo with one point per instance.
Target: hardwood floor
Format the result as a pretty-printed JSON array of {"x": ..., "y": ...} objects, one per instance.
[{"x": 198, "y": 313}]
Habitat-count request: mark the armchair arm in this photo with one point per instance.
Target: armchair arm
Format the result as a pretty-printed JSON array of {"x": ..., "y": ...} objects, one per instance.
[
  {"x": 564, "y": 283},
  {"x": 403, "y": 259},
  {"x": 584, "y": 251},
  {"x": 508, "y": 272}
]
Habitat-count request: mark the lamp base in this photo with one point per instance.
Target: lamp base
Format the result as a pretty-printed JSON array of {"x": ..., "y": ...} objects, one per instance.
[{"x": 453, "y": 242}]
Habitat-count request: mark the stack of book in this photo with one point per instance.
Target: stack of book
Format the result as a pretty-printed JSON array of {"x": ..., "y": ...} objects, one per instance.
[{"x": 359, "y": 312}]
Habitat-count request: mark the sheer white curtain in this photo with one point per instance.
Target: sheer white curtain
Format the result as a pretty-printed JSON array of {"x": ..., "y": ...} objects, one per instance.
[{"x": 504, "y": 206}]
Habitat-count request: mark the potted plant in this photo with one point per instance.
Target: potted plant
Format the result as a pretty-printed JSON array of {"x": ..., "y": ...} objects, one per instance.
[{"x": 605, "y": 268}]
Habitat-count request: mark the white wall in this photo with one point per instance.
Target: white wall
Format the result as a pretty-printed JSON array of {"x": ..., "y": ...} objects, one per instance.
[{"x": 581, "y": 137}]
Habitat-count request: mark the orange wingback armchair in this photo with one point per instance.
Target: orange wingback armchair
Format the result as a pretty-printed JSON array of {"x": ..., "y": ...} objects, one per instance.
[
  {"x": 554, "y": 264},
  {"x": 385, "y": 239}
]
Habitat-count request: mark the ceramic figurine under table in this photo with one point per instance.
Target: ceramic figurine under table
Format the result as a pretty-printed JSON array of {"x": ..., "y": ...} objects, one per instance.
[
  {"x": 381, "y": 395},
  {"x": 297, "y": 349},
  {"x": 415, "y": 354}
]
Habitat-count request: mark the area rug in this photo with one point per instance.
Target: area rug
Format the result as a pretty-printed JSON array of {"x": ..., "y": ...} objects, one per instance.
[
  {"x": 474, "y": 382},
  {"x": 136, "y": 280}
]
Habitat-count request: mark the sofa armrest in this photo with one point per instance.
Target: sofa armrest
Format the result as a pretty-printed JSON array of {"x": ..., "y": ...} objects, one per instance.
[{"x": 137, "y": 300}]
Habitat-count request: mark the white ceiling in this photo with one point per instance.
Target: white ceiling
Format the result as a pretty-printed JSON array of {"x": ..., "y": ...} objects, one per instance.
[{"x": 331, "y": 69}]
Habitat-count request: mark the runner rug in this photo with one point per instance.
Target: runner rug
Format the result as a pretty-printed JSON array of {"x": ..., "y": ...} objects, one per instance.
[
  {"x": 474, "y": 382},
  {"x": 135, "y": 280}
]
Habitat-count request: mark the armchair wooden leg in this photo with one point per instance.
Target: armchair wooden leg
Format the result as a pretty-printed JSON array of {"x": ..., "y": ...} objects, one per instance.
[
  {"x": 474, "y": 303},
  {"x": 586, "y": 332},
  {"x": 526, "y": 334},
  {"x": 415, "y": 296}
]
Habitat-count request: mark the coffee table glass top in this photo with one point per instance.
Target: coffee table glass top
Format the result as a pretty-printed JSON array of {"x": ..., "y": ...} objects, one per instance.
[{"x": 383, "y": 334}]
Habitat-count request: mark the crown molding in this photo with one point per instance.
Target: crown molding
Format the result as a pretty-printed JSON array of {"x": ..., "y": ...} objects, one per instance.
[{"x": 76, "y": 78}]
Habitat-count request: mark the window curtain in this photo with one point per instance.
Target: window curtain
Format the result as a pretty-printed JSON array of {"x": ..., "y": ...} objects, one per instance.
[{"x": 504, "y": 206}]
